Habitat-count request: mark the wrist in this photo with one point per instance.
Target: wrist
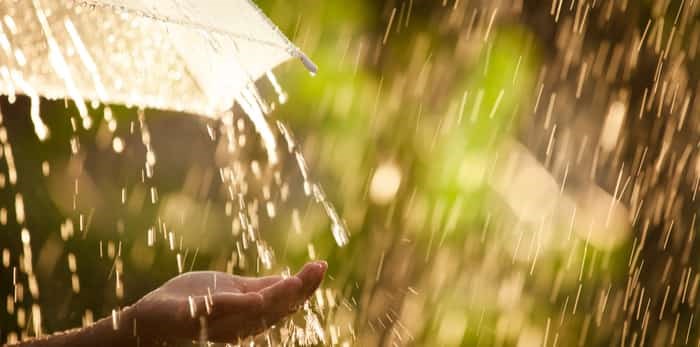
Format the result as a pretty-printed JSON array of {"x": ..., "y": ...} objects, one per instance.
[{"x": 116, "y": 330}]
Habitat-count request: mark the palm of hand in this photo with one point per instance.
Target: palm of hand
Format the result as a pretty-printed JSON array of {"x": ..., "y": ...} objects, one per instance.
[{"x": 220, "y": 307}]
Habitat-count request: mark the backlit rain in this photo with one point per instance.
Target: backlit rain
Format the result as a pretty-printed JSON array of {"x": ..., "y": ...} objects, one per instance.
[{"x": 475, "y": 172}]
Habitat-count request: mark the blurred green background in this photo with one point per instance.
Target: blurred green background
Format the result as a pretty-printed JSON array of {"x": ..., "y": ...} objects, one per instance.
[{"x": 459, "y": 142}]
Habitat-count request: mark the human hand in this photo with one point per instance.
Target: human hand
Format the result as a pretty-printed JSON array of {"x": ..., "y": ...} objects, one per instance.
[{"x": 220, "y": 307}]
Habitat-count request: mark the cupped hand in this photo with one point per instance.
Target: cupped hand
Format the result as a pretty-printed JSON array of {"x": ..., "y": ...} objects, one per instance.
[{"x": 220, "y": 307}]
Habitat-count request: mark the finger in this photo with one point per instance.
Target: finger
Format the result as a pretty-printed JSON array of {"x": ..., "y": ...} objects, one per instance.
[
  {"x": 311, "y": 276},
  {"x": 257, "y": 284}
]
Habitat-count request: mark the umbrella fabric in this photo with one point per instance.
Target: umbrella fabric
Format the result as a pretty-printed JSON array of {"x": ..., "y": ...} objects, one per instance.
[{"x": 194, "y": 56}]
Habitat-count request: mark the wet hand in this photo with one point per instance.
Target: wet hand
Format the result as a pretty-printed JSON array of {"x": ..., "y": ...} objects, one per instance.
[{"x": 219, "y": 307}]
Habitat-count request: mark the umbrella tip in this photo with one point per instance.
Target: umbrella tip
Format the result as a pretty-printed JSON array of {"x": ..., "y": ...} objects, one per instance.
[{"x": 313, "y": 69}]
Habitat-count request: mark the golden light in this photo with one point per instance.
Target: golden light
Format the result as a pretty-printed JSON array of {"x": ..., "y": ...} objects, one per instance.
[
  {"x": 118, "y": 145},
  {"x": 385, "y": 183},
  {"x": 613, "y": 126}
]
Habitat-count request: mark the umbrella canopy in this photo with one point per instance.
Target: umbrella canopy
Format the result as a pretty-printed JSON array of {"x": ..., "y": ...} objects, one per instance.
[{"x": 194, "y": 56}]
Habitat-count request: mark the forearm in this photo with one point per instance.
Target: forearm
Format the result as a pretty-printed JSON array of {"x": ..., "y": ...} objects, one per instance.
[{"x": 109, "y": 332}]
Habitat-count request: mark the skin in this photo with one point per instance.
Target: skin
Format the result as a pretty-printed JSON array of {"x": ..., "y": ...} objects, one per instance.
[{"x": 208, "y": 305}]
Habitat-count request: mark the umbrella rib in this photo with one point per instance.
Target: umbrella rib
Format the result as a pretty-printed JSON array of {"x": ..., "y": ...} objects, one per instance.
[{"x": 292, "y": 48}]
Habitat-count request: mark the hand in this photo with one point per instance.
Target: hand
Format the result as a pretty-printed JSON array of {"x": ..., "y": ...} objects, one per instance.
[{"x": 220, "y": 307}]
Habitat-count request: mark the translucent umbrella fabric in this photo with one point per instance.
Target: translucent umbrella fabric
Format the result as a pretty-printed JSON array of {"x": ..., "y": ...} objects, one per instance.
[{"x": 194, "y": 56}]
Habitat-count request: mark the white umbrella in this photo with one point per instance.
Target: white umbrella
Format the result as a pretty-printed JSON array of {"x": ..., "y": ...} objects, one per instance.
[
  {"x": 197, "y": 56},
  {"x": 194, "y": 56}
]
